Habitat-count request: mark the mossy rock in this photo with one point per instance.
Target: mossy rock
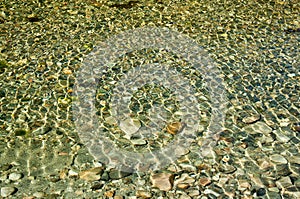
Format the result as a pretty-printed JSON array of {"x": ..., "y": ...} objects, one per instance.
[
  {"x": 21, "y": 132},
  {"x": 3, "y": 65}
]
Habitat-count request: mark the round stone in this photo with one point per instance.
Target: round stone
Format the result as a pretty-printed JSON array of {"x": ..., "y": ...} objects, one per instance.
[
  {"x": 261, "y": 192},
  {"x": 7, "y": 191},
  {"x": 14, "y": 176},
  {"x": 276, "y": 158}
]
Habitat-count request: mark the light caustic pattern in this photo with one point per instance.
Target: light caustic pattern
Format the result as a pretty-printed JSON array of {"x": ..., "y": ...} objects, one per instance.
[{"x": 95, "y": 65}]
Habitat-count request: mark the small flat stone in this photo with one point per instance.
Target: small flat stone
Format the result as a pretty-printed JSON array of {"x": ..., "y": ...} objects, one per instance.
[
  {"x": 67, "y": 71},
  {"x": 183, "y": 185},
  {"x": 281, "y": 137},
  {"x": 244, "y": 184},
  {"x": 294, "y": 159},
  {"x": 92, "y": 174},
  {"x": 284, "y": 182},
  {"x": 118, "y": 197},
  {"x": 251, "y": 119},
  {"x": 109, "y": 194},
  {"x": 227, "y": 168},
  {"x": 264, "y": 164},
  {"x": 175, "y": 127},
  {"x": 185, "y": 179},
  {"x": 138, "y": 142},
  {"x": 72, "y": 173},
  {"x": 276, "y": 158},
  {"x": 256, "y": 180},
  {"x": 204, "y": 181},
  {"x": 7, "y": 191},
  {"x": 162, "y": 181},
  {"x": 143, "y": 194},
  {"x": 130, "y": 126},
  {"x": 297, "y": 183},
  {"x": 15, "y": 176},
  {"x": 273, "y": 189},
  {"x": 258, "y": 127},
  {"x": 194, "y": 193},
  {"x": 39, "y": 194},
  {"x": 184, "y": 196},
  {"x": 116, "y": 174}
]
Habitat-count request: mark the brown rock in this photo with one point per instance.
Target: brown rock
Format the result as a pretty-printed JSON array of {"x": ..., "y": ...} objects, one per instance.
[
  {"x": 296, "y": 127},
  {"x": 92, "y": 174},
  {"x": 67, "y": 71},
  {"x": 118, "y": 197},
  {"x": 162, "y": 181},
  {"x": 204, "y": 181},
  {"x": 175, "y": 127},
  {"x": 109, "y": 193},
  {"x": 183, "y": 186},
  {"x": 143, "y": 194}
]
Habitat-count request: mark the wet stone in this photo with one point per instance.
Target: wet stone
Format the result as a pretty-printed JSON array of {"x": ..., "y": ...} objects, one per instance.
[
  {"x": 251, "y": 119},
  {"x": 227, "y": 168},
  {"x": 294, "y": 159},
  {"x": 284, "y": 182},
  {"x": 282, "y": 170},
  {"x": 162, "y": 181},
  {"x": 183, "y": 185},
  {"x": 261, "y": 192},
  {"x": 297, "y": 183},
  {"x": 7, "y": 191},
  {"x": 258, "y": 127},
  {"x": 194, "y": 193},
  {"x": 184, "y": 180},
  {"x": 116, "y": 174},
  {"x": 204, "y": 181},
  {"x": 276, "y": 158},
  {"x": 138, "y": 142},
  {"x": 281, "y": 137},
  {"x": 39, "y": 194},
  {"x": 92, "y": 174},
  {"x": 143, "y": 194},
  {"x": 296, "y": 127},
  {"x": 109, "y": 194},
  {"x": 130, "y": 127},
  {"x": 15, "y": 176}
]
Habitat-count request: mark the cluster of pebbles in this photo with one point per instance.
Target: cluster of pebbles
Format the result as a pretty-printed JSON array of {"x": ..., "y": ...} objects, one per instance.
[{"x": 254, "y": 44}]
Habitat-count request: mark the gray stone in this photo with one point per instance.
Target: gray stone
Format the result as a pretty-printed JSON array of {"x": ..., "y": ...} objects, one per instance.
[
  {"x": 294, "y": 159},
  {"x": 251, "y": 119},
  {"x": 297, "y": 182},
  {"x": 130, "y": 127},
  {"x": 284, "y": 182},
  {"x": 281, "y": 137},
  {"x": 7, "y": 191},
  {"x": 15, "y": 176},
  {"x": 282, "y": 169},
  {"x": 138, "y": 142},
  {"x": 116, "y": 174},
  {"x": 276, "y": 158},
  {"x": 39, "y": 194},
  {"x": 258, "y": 127}
]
